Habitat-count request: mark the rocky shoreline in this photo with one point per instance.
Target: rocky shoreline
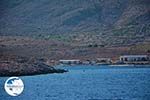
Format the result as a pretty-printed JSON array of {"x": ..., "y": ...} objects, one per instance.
[{"x": 24, "y": 67}]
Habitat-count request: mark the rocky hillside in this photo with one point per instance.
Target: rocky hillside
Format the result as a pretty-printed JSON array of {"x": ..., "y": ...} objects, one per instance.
[
  {"x": 108, "y": 22},
  {"x": 20, "y": 66}
]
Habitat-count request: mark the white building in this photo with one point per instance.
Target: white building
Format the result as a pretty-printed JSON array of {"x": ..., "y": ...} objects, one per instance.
[
  {"x": 103, "y": 61},
  {"x": 134, "y": 59},
  {"x": 75, "y": 61}
]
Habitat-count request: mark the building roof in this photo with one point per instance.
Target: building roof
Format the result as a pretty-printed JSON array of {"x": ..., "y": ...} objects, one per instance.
[
  {"x": 134, "y": 56},
  {"x": 70, "y": 60}
]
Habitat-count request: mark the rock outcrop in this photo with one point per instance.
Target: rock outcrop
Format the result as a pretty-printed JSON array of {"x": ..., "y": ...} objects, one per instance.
[{"x": 21, "y": 67}]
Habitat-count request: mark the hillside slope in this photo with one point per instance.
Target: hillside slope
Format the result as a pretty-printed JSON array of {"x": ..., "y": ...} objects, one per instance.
[{"x": 107, "y": 18}]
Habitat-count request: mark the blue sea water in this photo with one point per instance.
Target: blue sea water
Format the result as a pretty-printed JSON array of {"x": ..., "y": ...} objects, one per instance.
[{"x": 86, "y": 83}]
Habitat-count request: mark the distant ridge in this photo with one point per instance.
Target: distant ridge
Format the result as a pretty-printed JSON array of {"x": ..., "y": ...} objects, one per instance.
[{"x": 104, "y": 17}]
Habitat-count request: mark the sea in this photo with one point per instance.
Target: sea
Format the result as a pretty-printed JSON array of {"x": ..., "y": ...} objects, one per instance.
[{"x": 86, "y": 82}]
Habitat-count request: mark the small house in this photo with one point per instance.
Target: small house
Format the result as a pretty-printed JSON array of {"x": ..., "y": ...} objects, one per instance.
[
  {"x": 101, "y": 61},
  {"x": 135, "y": 59},
  {"x": 68, "y": 62}
]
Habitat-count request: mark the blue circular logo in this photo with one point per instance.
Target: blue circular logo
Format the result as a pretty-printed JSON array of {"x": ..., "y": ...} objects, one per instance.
[{"x": 14, "y": 86}]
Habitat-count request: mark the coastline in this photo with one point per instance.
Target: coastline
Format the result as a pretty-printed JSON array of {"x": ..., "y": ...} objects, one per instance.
[
  {"x": 24, "y": 66},
  {"x": 39, "y": 68},
  {"x": 26, "y": 69},
  {"x": 31, "y": 74},
  {"x": 108, "y": 65}
]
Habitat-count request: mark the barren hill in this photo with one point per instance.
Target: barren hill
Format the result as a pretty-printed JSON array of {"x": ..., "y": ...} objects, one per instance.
[{"x": 104, "y": 22}]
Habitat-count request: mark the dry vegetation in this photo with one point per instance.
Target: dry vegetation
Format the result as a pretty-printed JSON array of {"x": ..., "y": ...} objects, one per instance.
[{"x": 55, "y": 50}]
